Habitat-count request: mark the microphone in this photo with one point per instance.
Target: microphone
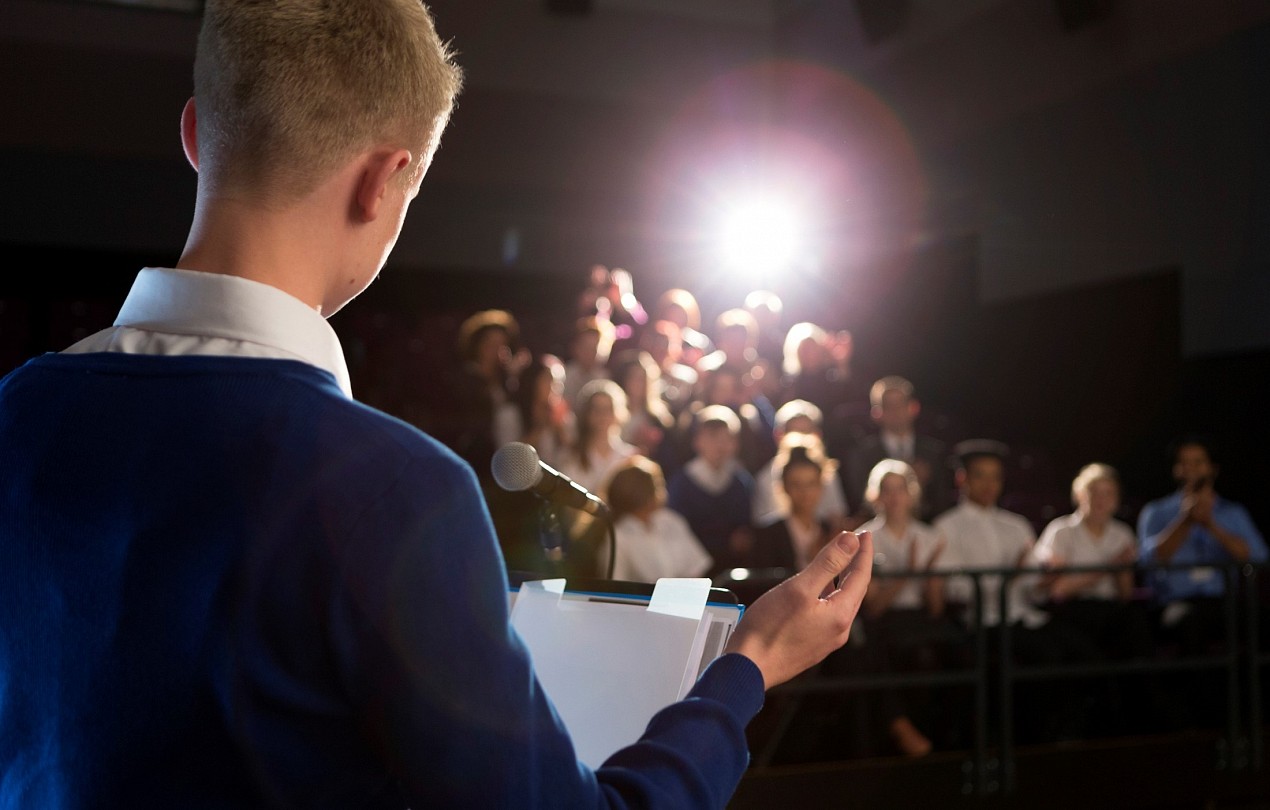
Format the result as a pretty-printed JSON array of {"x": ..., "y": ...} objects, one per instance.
[{"x": 517, "y": 467}]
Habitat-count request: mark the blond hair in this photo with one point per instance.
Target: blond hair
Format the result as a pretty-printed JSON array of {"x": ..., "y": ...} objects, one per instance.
[
  {"x": 797, "y": 334},
  {"x": 1088, "y": 475},
  {"x": 289, "y": 90}
]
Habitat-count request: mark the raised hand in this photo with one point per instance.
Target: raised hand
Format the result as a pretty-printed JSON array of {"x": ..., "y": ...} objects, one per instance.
[{"x": 795, "y": 625}]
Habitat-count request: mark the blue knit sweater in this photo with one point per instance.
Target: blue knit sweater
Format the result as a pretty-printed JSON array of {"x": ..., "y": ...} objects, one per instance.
[{"x": 228, "y": 585}]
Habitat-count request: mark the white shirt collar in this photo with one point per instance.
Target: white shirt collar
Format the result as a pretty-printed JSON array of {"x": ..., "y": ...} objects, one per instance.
[
  {"x": 211, "y": 305},
  {"x": 708, "y": 478}
]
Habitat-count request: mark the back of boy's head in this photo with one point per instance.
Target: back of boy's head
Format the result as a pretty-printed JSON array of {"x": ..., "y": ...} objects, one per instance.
[
  {"x": 287, "y": 90},
  {"x": 635, "y": 485}
]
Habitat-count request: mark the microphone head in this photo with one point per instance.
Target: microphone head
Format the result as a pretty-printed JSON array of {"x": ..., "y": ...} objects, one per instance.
[{"x": 516, "y": 466}]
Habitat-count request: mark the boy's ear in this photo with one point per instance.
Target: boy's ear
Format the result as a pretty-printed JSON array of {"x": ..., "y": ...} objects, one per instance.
[
  {"x": 380, "y": 169},
  {"x": 189, "y": 132}
]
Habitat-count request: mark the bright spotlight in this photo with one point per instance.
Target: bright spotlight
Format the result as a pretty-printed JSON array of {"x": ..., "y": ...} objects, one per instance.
[{"x": 759, "y": 236}]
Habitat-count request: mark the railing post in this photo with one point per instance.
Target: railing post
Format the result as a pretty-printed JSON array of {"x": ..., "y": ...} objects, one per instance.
[
  {"x": 1250, "y": 583},
  {"x": 1006, "y": 685},
  {"x": 1234, "y": 742},
  {"x": 981, "y": 691}
]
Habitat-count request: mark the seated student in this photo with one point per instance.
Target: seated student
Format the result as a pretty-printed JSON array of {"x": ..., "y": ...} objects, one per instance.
[
  {"x": 902, "y": 544},
  {"x": 797, "y": 531},
  {"x": 649, "y": 418},
  {"x": 488, "y": 349},
  {"x": 894, "y": 408},
  {"x": 713, "y": 490},
  {"x": 736, "y": 336},
  {"x": 652, "y": 540},
  {"x": 724, "y": 386},
  {"x": 588, "y": 355},
  {"x": 801, "y": 417},
  {"x": 981, "y": 535},
  {"x": 598, "y": 448},
  {"x": 662, "y": 341},
  {"x": 906, "y": 613},
  {"x": 537, "y": 414},
  {"x": 1099, "y": 603},
  {"x": 796, "y": 535},
  {"x": 680, "y": 307},
  {"x": 766, "y": 308}
]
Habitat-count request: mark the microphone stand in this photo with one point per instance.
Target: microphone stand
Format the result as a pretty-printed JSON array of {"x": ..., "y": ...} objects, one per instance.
[{"x": 551, "y": 537}]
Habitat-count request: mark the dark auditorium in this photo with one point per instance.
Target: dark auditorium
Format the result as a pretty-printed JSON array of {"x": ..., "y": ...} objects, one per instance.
[{"x": 903, "y": 359}]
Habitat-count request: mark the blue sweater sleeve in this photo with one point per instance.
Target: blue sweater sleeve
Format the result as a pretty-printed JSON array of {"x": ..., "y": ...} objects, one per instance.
[{"x": 447, "y": 689}]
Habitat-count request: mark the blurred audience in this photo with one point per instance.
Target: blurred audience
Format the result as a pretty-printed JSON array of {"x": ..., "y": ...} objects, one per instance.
[
  {"x": 598, "y": 448},
  {"x": 645, "y": 397},
  {"x": 894, "y": 408},
  {"x": 537, "y": 413},
  {"x": 796, "y": 533},
  {"x": 797, "y": 416},
  {"x": 490, "y": 354},
  {"x": 649, "y": 418},
  {"x": 589, "y": 349}
]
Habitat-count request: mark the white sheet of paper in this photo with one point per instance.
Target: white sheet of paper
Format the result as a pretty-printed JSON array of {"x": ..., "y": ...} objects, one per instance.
[{"x": 607, "y": 667}]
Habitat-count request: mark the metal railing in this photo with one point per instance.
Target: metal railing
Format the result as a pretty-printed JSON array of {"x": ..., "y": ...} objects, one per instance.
[{"x": 991, "y": 768}]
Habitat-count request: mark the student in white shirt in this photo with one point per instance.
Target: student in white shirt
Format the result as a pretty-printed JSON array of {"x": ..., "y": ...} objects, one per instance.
[
  {"x": 1100, "y": 605},
  {"x": 980, "y": 535},
  {"x": 1089, "y": 536},
  {"x": 652, "y": 540},
  {"x": 983, "y": 536},
  {"x": 906, "y": 613}
]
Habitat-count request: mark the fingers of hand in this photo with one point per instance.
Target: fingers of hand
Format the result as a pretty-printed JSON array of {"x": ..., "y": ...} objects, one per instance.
[
  {"x": 854, "y": 583},
  {"x": 832, "y": 560}
]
